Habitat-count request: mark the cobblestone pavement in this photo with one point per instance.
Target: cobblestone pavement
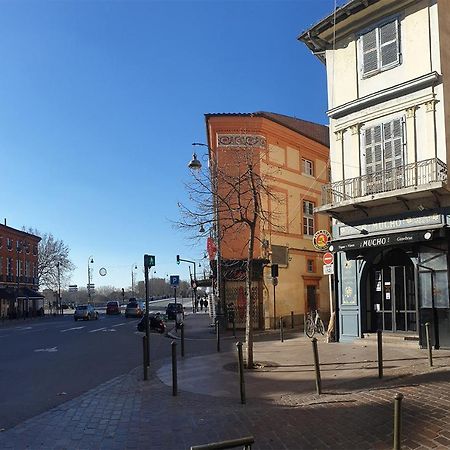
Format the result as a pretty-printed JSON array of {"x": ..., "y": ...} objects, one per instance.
[{"x": 355, "y": 412}]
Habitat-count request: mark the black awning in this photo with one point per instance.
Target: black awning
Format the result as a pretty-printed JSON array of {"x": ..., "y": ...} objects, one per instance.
[
  {"x": 25, "y": 292},
  {"x": 8, "y": 293}
]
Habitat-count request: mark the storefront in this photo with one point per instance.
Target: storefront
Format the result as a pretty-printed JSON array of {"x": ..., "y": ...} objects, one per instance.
[{"x": 393, "y": 275}]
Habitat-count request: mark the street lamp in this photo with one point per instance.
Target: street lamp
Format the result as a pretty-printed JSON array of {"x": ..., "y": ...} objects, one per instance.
[
  {"x": 133, "y": 268},
  {"x": 90, "y": 261}
]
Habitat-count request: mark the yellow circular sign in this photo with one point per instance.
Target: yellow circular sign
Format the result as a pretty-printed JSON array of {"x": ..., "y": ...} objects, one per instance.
[{"x": 322, "y": 240}]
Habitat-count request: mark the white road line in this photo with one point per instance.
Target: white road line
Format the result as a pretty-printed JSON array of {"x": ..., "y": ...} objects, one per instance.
[
  {"x": 98, "y": 329},
  {"x": 70, "y": 329},
  {"x": 119, "y": 324},
  {"x": 50, "y": 350}
]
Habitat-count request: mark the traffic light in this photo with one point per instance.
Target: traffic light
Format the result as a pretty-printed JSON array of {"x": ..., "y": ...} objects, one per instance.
[
  {"x": 178, "y": 259},
  {"x": 274, "y": 270}
]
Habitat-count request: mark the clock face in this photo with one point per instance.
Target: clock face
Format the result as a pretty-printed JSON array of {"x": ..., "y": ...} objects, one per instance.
[{"x": 102, "y": 272}]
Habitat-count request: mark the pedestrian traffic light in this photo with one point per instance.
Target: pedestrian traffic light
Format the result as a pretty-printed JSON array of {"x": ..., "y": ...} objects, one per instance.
[
  {"x": 178, "y": 259},
  {"x": 274, "y": 270}
]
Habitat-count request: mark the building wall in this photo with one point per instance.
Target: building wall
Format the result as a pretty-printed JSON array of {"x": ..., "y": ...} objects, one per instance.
[{"x": 281, "y": 167}]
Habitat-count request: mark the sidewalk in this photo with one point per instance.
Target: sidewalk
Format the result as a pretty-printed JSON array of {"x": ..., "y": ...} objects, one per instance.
[{"x": 282, "y": 411}]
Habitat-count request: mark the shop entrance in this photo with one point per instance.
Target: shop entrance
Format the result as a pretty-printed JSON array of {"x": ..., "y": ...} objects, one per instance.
[{"x": 393, "y": 295}]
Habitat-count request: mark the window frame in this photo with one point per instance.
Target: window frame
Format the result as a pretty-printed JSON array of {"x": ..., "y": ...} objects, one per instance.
[
  {"x": 309, "y": 217},
  {"x": 310, "y": 264},
  {"x": 310, "y": 172},
  {"x": 377, "y": 26}
]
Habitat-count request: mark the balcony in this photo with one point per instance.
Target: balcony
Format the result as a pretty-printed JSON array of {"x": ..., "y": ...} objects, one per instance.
[{"x": 420, "y": 182}]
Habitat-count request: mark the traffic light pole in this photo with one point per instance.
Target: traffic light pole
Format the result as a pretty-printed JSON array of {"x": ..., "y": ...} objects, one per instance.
[
  {"x": 194, "y": 283},
  {"x": 147, "y": 322}
]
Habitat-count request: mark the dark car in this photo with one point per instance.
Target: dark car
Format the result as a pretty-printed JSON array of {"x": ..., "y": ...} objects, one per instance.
[
  {"x": 172, "y": 310},
  {"x": 156, "y": 323},
  {"x": 135, "y": 308},
  {"x": 113, "y": 307}
]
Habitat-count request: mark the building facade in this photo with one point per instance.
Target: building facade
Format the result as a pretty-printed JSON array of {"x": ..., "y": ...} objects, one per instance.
[
  {"x": 388, "y": 70},
  {"x": 291, "y": 156},
  {"x": 18, "y": 273}
]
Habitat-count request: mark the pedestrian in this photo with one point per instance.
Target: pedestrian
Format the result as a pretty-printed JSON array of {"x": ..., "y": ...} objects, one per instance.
[
  {"x": 205, "y": 303},
  {"x": 196, "y": 305},
  {"x": 201, "y": 304}
]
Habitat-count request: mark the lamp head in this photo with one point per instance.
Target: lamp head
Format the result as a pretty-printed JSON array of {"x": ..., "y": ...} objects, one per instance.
[
  {"x": 202, "y": 229},
  {"x": 195, "y": 164}
]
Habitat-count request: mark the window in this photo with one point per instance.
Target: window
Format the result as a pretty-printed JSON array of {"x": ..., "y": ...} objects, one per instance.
[
  {"x": 19, "y": 246},
  {"x": 308, "y": 167},
  {"x": 9, "y": 267},
  {"x": 383, "y": 157},
  {"x": 310, "y": 265},
  {"x": 380, "y": 48},
  {"x": 308, "y": 218},
  {"x": 280, "y": 255},
  {"x": 9, "y": 244}
]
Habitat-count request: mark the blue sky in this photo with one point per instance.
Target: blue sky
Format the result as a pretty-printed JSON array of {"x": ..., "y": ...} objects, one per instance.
[{"x": 101, "y": 100}]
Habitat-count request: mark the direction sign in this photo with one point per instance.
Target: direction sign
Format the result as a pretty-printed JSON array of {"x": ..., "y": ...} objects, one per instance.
[
  {"x": 174, "y": 280},
  {"x": 73, "y": 288},
  {"x": 328, "y": 258}
]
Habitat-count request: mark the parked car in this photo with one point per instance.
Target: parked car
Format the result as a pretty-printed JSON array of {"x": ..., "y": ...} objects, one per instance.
[
  {"x": 135, "y": 308},
  {"x": 113, "y": 307},
  {"x": 85, "y": 312},
  {"x": 156, "y": 323},
  {"x": 172, "y": 310}
]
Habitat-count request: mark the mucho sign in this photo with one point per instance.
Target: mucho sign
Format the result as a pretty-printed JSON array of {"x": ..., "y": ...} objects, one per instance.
[{"x": 321, "y": 240}]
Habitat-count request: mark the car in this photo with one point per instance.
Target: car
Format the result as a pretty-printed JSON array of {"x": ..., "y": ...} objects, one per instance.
[
  {"x": 172, "y": 310},
  {"x": 135, "y": 308},
  {"x": 85, "y": 312},
  {"x": 156, "y": 323},
  {"x": 113, "y": 307}
]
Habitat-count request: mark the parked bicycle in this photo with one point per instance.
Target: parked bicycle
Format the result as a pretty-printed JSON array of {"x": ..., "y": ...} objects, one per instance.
[{"x": 314, "y": 324}]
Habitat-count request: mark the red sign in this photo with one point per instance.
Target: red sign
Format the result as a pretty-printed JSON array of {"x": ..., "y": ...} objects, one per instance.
[
  {"x": 211, "y": 248},
  {"x": 328, "y": 258}
]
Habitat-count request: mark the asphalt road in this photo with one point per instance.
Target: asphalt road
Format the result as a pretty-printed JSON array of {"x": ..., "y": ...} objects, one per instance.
[{"x": 52, "y": 360}]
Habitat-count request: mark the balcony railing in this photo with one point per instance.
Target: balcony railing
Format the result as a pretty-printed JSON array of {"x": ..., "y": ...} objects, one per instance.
[{"x": 415, "y": 174}]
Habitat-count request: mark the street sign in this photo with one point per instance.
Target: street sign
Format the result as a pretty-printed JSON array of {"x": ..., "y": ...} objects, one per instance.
[
  {"x": 322, "y": 240},
  {"x": 149, "y": 260},
  {"x": 91, "y": 286},
  {"x": 328, "y": 258},
  {"x": 328, "y": 269},
  {"x": 174, "y": 280},
  {"x": 73, "y": 288}
]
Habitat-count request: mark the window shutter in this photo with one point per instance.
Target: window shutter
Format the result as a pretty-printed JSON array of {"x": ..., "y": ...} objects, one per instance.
[
  {"x": 389, "y": 44},
  {"x": 369, "y": 52}
]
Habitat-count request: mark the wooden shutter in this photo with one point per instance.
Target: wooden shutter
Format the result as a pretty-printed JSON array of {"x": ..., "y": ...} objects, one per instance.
[
  {"x": 369, "y": 52},
  {"x": 389, "y": 44},
  {"x": 373, "y": 158}
]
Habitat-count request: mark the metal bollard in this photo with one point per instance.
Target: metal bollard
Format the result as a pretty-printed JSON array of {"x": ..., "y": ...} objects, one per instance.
[
  {"x": 281, "y": 329},
  {"x": 218, "y": 335},
  {"x": 397, "y": 420},
  {"x": 182, "y": 340},
  {"x": 292, "y": 319},
  {"x": 380, "y": 353},
  {"x": 144, "y": 356},
  {"x": 241, "y": 372},
  {"x": 317, "y": 366},
  {"x": 174, "y": 369},
  {"x": 234, "y": 327},
  {"x": 429, "y": 347}
]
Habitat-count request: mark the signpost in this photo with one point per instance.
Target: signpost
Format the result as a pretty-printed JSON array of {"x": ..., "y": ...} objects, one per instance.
[
  {"x": 174, "y": 282},
  {"x": 328, "y": 258}
]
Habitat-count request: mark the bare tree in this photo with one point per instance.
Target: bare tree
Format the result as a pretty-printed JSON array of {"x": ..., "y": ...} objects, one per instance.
[
  {"x": 232, "y": 198},
  {"x": 51, "y": 253}
]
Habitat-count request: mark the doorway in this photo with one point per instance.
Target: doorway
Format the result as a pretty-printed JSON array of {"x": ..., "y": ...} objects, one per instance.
[{"x": 394, "y": 300}]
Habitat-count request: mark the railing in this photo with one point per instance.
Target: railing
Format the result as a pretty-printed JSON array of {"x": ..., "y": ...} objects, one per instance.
[
  {"x": 409, "y": 175},
  {"x": 223, "y": 445}
]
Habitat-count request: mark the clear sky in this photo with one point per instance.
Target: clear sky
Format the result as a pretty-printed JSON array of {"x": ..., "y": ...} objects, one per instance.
[{"x": 101, "y": 100}]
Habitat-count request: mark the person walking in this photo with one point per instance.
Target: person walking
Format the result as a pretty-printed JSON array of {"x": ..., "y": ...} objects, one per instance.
[
  {"x": 205, "y": 304},
  {"x": 201, "y": 304}
]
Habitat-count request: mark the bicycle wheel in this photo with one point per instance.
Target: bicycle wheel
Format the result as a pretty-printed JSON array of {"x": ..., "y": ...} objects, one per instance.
[
  {"x": 320, "y": 326},
  {"x": 309, "y": 328}
]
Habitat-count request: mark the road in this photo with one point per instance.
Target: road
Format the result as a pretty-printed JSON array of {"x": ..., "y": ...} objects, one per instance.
[{"x": 49, "y": 361}]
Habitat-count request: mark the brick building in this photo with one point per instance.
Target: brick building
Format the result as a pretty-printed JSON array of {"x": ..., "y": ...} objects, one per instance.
[{"x": 18, "y": 273}]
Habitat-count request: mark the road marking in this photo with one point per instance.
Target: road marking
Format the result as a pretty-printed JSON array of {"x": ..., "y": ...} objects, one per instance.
[
  {"x": 70, "y": 329},
  {"x": 98, "y": 329},
  {"x": 50, "y": 350},
  {"x": 109, "y": 329},
  {"x": 120, "y": 324},
  {"x": 24, "y": 328}
]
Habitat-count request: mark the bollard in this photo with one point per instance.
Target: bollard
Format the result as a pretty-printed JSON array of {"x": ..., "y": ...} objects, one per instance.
[
  {"x": 281, "y": 329},
  {"x": 182, "y": 340},
  {"x": 380, "y": 353},
  {"x": 292, "y": 319},
  {"x": 218, "y": 335},
  {"x": 234, "y": 327},
  {"x": 397, "y": 420},
  {"x": 174, "y": 369},
  {"x": 241, "y": 372},
  {"x": 429, "y": 347},
  {"x": 317, "y": 365},
  {"x": 144, "y": 356}
]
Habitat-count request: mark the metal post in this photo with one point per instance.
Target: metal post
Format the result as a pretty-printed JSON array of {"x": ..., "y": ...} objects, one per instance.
[
  {"x": 241, "y": 372},
  {"x": 144, "y": 356},
  {"x": 59, "y": 289},
  {"x": 281, "y": 329},
  {"x": 397, "y": 420},
  {"x": 218, "y": 334},
  {"x": 292, "y": 319},
  {"x": 380, "y": 353},
  {"x": 234, "y": 326},
  {"x": 182, "y": 339},
  {"x": 175, "y": 295},
  {"x": 147, "y": 322},
  {"x": 274, "y": 309},
  {"x": 317, "y": 366},
  {"x": 174, "y": 369},
  {"x": 429, "y": 347}
]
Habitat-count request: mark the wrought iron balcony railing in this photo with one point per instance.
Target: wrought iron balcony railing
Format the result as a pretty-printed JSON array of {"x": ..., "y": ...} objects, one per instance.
[{"x": 415, "y": 174}]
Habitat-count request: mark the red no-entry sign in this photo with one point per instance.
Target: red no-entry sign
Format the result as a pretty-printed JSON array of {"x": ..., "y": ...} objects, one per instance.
[{"x": 328, "y": 258}]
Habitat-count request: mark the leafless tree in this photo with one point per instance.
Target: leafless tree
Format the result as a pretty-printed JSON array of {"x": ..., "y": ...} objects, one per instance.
[
  {"x": 231, "y": 198},
  {"x": 52, "y": 252}
]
